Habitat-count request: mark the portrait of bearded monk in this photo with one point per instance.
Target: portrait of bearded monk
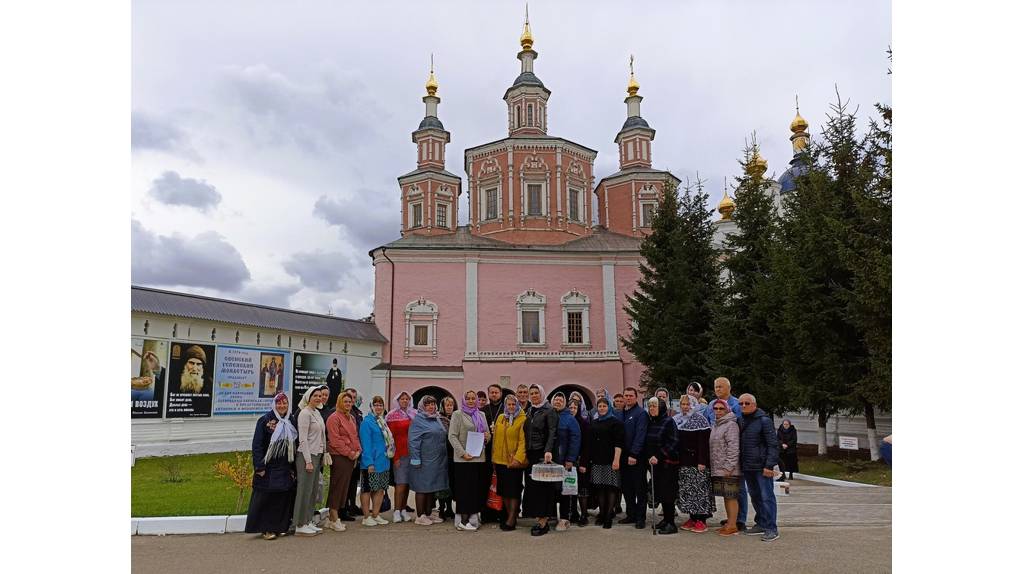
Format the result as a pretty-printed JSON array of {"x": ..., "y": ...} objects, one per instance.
[{"x": 192, "y": 372}]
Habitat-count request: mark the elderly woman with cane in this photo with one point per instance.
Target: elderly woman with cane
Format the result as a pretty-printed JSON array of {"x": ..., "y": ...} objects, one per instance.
[{"x": 661, "y": 452}]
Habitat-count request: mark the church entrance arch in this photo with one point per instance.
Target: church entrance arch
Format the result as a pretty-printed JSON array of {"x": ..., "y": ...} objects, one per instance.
[
  {"x": 437, "y": 392},
  {"x": 588, "y": 398}
]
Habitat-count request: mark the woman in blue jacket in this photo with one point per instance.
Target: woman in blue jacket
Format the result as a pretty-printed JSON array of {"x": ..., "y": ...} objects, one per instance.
[
  {"x": 273, "y": 483},
  {"x": 375, "y": 461},
  {"x": 567, "y": 452}
]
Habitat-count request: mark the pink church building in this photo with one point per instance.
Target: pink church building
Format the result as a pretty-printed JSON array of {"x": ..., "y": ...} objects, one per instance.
[{"x": 531, "y": 290}]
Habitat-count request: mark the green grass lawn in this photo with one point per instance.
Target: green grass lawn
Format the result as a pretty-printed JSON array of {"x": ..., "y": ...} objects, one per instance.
[
  {"x": 199, "y": 492},
  {"x": 855, "y": 471}
]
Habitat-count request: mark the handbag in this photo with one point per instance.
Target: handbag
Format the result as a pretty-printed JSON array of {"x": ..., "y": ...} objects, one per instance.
[{"x": 493, "y": 500}]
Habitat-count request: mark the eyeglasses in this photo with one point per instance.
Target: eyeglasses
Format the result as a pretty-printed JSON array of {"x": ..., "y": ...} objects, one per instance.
[{"x": 718, "y": 408}]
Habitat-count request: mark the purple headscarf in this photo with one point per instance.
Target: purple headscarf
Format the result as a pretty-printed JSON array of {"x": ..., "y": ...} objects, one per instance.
[{"x": 475, "y": 414}]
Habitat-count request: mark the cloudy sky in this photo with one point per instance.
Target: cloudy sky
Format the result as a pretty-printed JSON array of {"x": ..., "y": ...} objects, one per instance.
[{"x": 267, "y": 136}]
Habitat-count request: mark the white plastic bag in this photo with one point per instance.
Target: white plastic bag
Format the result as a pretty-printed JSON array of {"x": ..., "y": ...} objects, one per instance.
[{"x": 570, "y": 486}]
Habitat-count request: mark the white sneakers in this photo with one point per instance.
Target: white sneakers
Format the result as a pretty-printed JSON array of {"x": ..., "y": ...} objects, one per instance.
[
  {"x": 398, "y": 516},
  {"x": 460, "y": 526},
  {"x": 435, "y": 519},
  {"x": 368, "y": 521},
  {"x": 474, "y": 519},
  {"x": 337, "y": 526},
  {"x": 306, "y": 530},
  {"x": 424, "y": 520}
]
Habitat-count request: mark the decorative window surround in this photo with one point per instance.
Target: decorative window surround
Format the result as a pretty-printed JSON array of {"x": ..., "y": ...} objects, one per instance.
[
  {"x": 574, "y": 301},
  {"x": 529, "y": 301},
  {"x": 645, "y": 218},
  {"x": 568, "y": 355},
  {"x": 420, "y": 313}
]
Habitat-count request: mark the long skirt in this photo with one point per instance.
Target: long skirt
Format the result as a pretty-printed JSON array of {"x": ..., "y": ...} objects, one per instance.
[
  {"x": 539, "y": 498},
  {"x": 467, "y": 486},
  {"x": 695, "y": 495},
  {"x": 603, "y": 475},
  {"x": 666, "y": 484},
  {"x": 270, "y": 511},
  {"x": 788, "y": 461},
  {"x": 510, "y": 482}
]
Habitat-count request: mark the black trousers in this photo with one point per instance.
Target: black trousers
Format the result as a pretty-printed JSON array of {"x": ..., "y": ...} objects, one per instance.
[{"x": 634, "y": 488}]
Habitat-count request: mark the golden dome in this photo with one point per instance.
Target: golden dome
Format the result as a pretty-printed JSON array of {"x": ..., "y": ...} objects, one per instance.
[
  {"x": 431, "y": 84},
  {"x": 758, "y": 165},
  {"x": 526, "y": 40},
  {"x": 798, "y": 124},
  {"x": 726, "y": 207}
]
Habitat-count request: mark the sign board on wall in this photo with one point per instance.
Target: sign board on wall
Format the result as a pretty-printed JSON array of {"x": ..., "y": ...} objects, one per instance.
[
  {"x": 848, "y": 443},
  {"x": 190, "y": 386},
  {"x": 312, "y": 369},
  {"x": 149, "y": 375},
  {"x": 246, "y": 379}
]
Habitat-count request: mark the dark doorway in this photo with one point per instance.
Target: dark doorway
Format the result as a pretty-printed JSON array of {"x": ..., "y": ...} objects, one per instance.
[
  {"x": 588, "y": 397},
  {"x": 437, "y": 392}
]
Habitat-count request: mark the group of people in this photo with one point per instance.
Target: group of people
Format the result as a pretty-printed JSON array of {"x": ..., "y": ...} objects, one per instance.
[{"x": 726, "y": 448}]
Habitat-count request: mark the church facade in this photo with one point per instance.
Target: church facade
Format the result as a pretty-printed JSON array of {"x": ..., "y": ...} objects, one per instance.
[{"x": 531, "y": 290}]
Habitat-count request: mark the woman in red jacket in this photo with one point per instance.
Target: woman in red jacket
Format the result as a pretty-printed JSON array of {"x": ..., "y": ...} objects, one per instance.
[{"x": 398, "y": 420}]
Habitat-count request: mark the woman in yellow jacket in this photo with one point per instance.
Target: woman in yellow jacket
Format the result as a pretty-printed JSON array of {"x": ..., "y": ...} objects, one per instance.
[{"x": 509, "y": 456}]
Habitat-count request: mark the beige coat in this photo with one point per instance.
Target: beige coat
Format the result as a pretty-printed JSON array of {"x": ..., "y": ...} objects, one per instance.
[{"x": 458, "y": 431}]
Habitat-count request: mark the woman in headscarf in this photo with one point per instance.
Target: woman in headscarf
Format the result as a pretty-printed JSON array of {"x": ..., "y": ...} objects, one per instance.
[
  {"x": 662, "y": 393},
  {"x": 375, "y": 462},
  {"x": 695, "y": 497},
  {"x": 509, "y": 457},
  {"x": 445, "y": 496},
  {"x": 273, "y": 482},
  {"x": 725, "y": 463},
  {"x": 541, "y": 432},
  {"x": 343, "y": 444},
  {"x": 428, "y": 459},
  {"x": 600, "y": 393},
  {"x": 661, "y": 451},
  {"x": 787, "y": 449},
  {"x": 607, "y": 436},
  {"x": 696, "y": 391},
  {"x": 579, "y": 515},
  {"x": 468, "y": 467},
  {"x": 566, "y": 453},
  {"x": 312, "y": 442},
  {"x": 399, "y": 420}
]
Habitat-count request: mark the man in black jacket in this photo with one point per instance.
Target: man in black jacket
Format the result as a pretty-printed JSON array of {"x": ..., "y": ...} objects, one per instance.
[{"x": 759, "y": 453}]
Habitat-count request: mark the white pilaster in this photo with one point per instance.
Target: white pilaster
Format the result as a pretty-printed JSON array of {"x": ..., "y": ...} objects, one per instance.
[
  {"x": 611, "y": 337},
  {"x": 471, "y": 314}
]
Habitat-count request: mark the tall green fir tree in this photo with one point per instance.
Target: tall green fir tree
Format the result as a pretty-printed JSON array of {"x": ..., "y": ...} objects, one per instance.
[
  {"x": 825, "y": 356},
  {"x": 672, "y": 305},
  {"x": 745, "y": 344}
]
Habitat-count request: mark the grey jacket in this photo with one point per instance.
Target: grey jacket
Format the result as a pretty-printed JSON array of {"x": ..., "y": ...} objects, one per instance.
[
  {"x": 458, "y": 431},
  {"x": 725, "y": 446}
]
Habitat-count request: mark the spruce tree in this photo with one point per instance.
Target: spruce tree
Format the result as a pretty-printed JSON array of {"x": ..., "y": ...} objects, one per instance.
[
  {"x": 745, "y": 346},
  {"x": 671, "y": 307},
  {"x": 825, "y": 355}
]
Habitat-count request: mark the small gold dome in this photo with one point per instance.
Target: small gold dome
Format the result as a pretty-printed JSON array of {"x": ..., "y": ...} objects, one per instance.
[
  {"x": 526, "y": 40},
  {"x": 634, "y": 86},
  {"x": 798, "y": 124},
  {"x": 726, "y": 207},
  {"x": 431, "y": 84},
  {"x": 758, "y": 165}
]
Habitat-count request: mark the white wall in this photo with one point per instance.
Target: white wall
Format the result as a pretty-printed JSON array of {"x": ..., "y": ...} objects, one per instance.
[{"x": 222, "y": 433}]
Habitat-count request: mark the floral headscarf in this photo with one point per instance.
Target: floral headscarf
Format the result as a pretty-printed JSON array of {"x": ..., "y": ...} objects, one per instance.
[
  {"x": 693, "y": 420},
  {"x": 285, "y": 435}
]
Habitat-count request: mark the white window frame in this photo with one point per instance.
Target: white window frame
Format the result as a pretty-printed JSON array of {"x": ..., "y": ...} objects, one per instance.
[
  {"x": 412, "y": 215},
  {"x": 530, "y": 300},
  {"x": 654, "y": 211},
  {"x": 421, "y": 313},
  {"x": 575, "y": 302},
  {"x": 445, "y": 207}
]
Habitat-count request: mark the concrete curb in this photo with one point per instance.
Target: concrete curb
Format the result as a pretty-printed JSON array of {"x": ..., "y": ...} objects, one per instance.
[
  {"x": 161, "y": 525},
  {"x": 833, "y": 481}
]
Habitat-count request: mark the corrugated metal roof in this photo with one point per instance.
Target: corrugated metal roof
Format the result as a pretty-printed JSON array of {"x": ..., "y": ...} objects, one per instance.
[
  {"x": 172, "y": 303},
  {"x": 601, "y": 240}
]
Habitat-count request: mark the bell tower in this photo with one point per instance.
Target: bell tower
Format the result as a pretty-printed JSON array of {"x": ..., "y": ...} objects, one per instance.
[
  {"x": 430, "y": 194},
  {"x": 527, "y": 98}
]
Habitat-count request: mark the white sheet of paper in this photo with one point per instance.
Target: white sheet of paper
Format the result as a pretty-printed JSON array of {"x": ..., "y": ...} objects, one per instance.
[{"x": 474, "y": 443}]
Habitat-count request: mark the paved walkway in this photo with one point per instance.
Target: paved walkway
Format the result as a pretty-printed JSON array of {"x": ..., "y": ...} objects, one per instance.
[{"x": 823, "y": 529}]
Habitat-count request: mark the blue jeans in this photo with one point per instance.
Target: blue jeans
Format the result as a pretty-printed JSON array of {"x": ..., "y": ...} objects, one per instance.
[
  {"x": 762, "y": 496},
  {"x": 741, "y": 518}
]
